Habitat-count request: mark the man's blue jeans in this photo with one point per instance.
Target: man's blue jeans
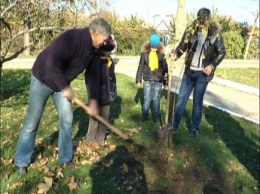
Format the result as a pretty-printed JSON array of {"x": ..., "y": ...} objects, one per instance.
[
  {"x": 152, "y": 92},
  {"x": 39, "y": 94},
  {"x": 196, "y": 81}
]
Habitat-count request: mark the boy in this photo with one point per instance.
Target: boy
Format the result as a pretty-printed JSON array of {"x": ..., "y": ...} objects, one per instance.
[
  {"x": 153, "y": 70},
  {"x": 96, "y": 131}
]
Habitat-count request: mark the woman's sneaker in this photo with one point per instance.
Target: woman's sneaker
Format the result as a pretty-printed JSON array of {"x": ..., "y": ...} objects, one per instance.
[{"x": 193, "y": 133}]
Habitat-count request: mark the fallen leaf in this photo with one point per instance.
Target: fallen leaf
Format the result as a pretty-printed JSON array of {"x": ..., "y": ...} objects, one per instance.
[
  {"x": 59, "y": 174},
  {"x": 43, "y": 188},
  {"x": 48, "y": 180},
  {"x": 72, "y": 179},
  {"x": 43, "y": 162},
  {"x": 7, "y": 161},
  {"x": 18, "y": 184},
  {"x": 125, "y": 168},
  {"x": 84, "y": 162},
  {"x": 112, "y": 147},
  {"x": 132, "y": 130},
  {"x": 46, "y": 170},
  {"x": 73, "y": 185}
]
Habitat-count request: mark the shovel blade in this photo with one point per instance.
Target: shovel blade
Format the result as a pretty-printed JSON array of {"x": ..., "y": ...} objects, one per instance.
[
  {"x": 166, "y": 135},
  {"x": 161, "y": 133}
]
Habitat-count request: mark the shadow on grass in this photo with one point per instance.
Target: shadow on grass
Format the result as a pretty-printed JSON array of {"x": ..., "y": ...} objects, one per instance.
[
  {"x": 118, "y": 172},
  {"x": 115, "y": 109},
  {"x": 139, "y": 96},
  {"x": 15, "y": 83},
  {"x": 81, "y": 117},
  {"x": 236, "y": 138},
  {"x": 166, "y": 173},
  {"x": 192, "y": 166}
]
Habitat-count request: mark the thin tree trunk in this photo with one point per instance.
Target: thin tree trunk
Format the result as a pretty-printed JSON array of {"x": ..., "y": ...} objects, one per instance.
[
  {"x": 180, "y": 21},
  {"x": 250, "y": 37},
  {"x": 27, "y": 52}
]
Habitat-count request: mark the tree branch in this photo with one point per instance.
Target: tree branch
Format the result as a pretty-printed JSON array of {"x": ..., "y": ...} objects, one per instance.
[
  {"x": 39, "y": 28},
  {"x": 6, "y": 24},
  {"x": 9, "y": 7},
  {"x": 17, "y": 53}
]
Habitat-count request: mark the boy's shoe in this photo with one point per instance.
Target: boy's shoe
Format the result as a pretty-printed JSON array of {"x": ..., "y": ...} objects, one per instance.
[
  {"x": 108, "y": 132},
  {"x": 193, "y": 133},
  {"x": 105, "y": 146},
  {"x": 21, "y": 170}
]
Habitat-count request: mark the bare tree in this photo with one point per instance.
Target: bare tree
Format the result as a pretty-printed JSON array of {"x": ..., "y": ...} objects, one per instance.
[{"x": 19, "y": 19}]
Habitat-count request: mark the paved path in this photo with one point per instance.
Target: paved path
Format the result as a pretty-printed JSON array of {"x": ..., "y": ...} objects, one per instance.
[{"x": 233, "y": 98}]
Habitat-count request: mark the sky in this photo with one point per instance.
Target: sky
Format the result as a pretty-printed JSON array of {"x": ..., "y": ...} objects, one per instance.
[{"x": 239, "y": 10}]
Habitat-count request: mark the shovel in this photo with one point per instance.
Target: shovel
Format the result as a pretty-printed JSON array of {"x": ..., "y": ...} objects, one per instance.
[
  {"x": 163, "y": 132},
  {"x": 170, "y": 130},
  {"x": 101, "y": 119}
]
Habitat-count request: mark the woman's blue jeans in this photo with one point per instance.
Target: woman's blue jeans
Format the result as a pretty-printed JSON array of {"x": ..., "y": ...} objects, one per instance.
[
  {"x": 39, "y": 94},
  {"x": 152, "y": 92},
  {"x": 196, "y": 81}
]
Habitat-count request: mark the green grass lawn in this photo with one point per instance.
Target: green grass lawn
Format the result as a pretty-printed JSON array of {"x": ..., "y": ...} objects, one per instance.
[
  {"x": 224, "y": 158},
  {"x": 247, "y": 76}
]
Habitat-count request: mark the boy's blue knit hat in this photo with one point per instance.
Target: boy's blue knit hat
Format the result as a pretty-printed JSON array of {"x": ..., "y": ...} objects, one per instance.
[{"x": 154, "y": 41}]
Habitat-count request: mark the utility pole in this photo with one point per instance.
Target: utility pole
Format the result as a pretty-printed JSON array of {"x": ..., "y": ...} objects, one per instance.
[
  {"x": 180, "y": 21},
  {"x": 250, "y": 36},
  {"x": 213, "y": 9}
]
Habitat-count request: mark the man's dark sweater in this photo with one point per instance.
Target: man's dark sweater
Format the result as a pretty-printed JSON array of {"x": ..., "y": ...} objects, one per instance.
[{"x": 65, "y": 58}]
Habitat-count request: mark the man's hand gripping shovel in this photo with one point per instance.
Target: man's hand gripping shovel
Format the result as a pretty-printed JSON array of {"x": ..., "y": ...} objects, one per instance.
[{"x": 99, "y": 118}]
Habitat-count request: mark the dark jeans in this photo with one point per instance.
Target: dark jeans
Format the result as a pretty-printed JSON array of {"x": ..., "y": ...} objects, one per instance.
[
  {"x": 152, "y": 92},
  {"x": 196, "y": 81}
]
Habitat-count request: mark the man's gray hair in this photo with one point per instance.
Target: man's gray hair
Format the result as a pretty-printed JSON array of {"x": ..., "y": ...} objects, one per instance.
[{"x": 101, "y": 26}]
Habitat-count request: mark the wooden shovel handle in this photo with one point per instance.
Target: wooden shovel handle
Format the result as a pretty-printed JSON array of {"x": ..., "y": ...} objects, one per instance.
[
  {"x": 168, "y": 94},
  {"x": 100, "y": 119}
]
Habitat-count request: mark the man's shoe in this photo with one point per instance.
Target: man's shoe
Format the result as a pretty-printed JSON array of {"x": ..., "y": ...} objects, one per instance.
[
  {"x": 156, "y": 120},
  {"x": 193, "y": 133},
  {"x": 20, "y": 170},
  {"x": 108, "y": 132},
  {"x": 144, "y": 119},
  {"x": 171, "y": 128},
  {"x": 69, "y": 165}
]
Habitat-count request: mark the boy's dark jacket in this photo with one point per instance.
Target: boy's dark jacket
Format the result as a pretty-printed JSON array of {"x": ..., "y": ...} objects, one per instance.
[
  {"x": 144, "y": 72},
  {"x": 65, "y": 58},
  {"x": 107, "y": 80}
]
